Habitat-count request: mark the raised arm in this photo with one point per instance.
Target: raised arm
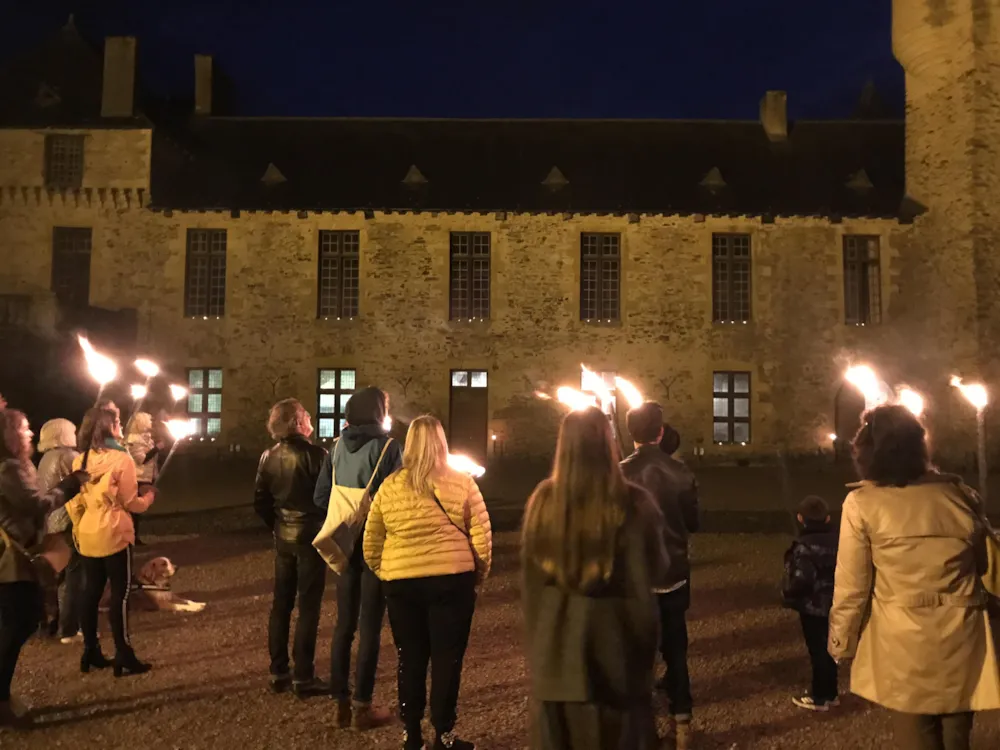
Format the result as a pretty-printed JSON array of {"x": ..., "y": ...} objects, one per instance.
[{"x": 853, "y": 584}]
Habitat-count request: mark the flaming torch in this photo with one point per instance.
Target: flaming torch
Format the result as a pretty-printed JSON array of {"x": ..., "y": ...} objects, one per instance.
[
  {"x": 977, "y": 395},
  {"x": 866, "y": 381},
  {"x": 178, "y": 392},
  {"x": 912, "y": 400},
  {"x": 465, "y": 465},
  {"x": 102, "y": 368},
  {"x": 180, "y": 429},
  {"x": 632, "y": 394},
  {"x": 138, "y": 392},
  {"x": 574, "y": 399}
]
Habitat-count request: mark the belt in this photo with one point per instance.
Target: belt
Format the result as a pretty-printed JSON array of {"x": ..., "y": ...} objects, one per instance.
[{"x": 934, "y": 600}]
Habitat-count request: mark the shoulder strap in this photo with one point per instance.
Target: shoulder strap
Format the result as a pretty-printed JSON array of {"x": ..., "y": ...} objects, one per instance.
[
  {"x": 8, "y": 541},
  {"x": 447, "y": 515},
  {"x": 333, "y": 464},
  {"x": 377, "y": 465}
]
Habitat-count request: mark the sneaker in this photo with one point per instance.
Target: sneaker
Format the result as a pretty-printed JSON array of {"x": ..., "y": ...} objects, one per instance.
[
  {"x": 280, "y": 683},
  {"x": 448, "y": 741},
  {"x": 366, "y": 716},
  {"x": 309, "y": 688},
  {"x": 812, "y": 704},
  {"x": 68, "y": 640},
  {"x": 413, "y": 741}
]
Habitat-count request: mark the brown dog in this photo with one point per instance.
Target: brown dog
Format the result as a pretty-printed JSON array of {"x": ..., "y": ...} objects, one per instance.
[{"x": 151, "y": 590}]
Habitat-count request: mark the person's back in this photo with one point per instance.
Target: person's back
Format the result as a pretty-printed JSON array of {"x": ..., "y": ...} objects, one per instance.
[
  {"x": 286, "y": 482},
  {"x": 102, "y": 525}
]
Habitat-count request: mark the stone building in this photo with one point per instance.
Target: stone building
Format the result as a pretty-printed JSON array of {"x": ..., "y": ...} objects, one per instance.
[{"x": 730, "y": 269}]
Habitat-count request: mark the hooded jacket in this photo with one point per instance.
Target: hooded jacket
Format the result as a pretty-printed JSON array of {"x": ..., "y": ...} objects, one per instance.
[
  {"x": 283, "y": 493},
  {"x": 362, "y": 440},
  {"x": 57, "y": 443},
  {"x": 102, "y": 525},
  {"x": 23, "y": 507}
]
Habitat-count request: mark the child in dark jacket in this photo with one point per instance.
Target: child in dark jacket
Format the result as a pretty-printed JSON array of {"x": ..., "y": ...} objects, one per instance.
[{"x": 807, "y": 587}]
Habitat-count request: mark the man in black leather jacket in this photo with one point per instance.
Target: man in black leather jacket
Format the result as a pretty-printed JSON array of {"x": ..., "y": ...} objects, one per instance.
[
  {"x": 675, "y": 489},
  {"x": 283, "y": 498}
]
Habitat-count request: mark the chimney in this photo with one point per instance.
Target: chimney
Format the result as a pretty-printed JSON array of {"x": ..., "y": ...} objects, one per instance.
[
  {"x": 774, "y": 115},
  {"x": 203, "y": 84},
  {"x": 118, "y": 92}
]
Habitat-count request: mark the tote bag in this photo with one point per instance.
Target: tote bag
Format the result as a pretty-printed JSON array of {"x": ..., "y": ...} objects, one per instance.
[{"x": 345, "y": 516}]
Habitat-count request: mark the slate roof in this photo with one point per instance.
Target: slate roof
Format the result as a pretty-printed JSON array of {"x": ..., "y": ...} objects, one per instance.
[{"x": 626, "y": 166}]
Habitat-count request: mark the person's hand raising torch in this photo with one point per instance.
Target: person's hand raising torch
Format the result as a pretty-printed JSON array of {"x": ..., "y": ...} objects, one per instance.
[
  {"x": 102, "y": 368},
  {"x": 977, "y": 395}
]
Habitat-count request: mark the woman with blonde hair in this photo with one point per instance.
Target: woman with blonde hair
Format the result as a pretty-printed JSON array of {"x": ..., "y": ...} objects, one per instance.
[
  {"x": 429, "y": 540},
  {"x": 592, "y": 550}
]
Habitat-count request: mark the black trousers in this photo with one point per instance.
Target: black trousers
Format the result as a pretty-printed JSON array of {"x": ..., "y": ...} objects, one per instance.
[
  {"x": 360, "y": 607},
  {"x": 97, "y": 571},
  {"x": 71, "y": 585},
  {"x": 824, "y": 669},
  {"x": 20, "y": 610},
  {"x": 943, "y": 732},
  {"x": 674, "y": 647},
  {"x": 298, "y": 571},
  {"x": 431, "y": 619}
]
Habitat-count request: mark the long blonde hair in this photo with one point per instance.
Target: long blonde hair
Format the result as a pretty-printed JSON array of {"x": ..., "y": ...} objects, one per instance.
[
  {"x": 572, "y": 522},
  {"x": 425, "y": 454}
]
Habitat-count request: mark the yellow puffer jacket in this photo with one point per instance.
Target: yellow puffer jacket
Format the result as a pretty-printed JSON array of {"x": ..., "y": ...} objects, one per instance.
[
  {"x": 102, "y": 525},
  {"x": 408, "y": 535}
]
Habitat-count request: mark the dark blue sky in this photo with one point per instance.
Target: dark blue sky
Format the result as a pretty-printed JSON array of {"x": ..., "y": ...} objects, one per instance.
[{"x": 483, "y": 58}]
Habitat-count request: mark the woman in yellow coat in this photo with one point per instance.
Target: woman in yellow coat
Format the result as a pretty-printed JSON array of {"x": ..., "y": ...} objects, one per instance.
[
  {"x": 104, "y": 534},
  {"x": 428, "y": 538},
  {"x": 909, "y": 604}
]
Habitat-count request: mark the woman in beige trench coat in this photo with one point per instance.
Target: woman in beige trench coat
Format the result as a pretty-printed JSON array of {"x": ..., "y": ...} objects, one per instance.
[{"x": 909, "y": 605}]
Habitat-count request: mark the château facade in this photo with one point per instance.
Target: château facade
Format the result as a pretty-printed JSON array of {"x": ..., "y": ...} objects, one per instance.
[{"x": 731, "y": 270}]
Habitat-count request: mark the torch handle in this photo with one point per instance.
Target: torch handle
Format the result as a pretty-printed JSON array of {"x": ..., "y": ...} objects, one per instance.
[
  {"x": 981, "y": 455},
  {"x": 163, "y": 469}
]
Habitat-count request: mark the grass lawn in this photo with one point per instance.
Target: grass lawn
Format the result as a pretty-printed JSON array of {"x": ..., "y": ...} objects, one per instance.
[{"x": 208, "y": 688}]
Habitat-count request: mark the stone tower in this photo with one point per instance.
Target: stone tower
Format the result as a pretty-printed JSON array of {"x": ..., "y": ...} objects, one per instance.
[{"x": 950, "y": 52}]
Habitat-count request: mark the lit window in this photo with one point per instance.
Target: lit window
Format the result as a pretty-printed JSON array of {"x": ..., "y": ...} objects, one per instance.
[
  {"x": 731, "y": 407},
  {"x": 204, "y": 404},
  {"x": 335, "y": 389},
  {"x": 469, "y": 378}
]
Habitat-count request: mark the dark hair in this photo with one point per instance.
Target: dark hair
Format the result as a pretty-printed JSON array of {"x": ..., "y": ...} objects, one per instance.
[
  {"x": 644, "y": 422},
  {"x": 11, "y": 445},
  {"x": 283, "y": 421},
  {"x": 367, "y": 406},
  {"x": 814, "y": 508},
  {"x": 670, "y": 443},
  {"x": 103, "y": 429},
  {"x": 890, "y": 449}
]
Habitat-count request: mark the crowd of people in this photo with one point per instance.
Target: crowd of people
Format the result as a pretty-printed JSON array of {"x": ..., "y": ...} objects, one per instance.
[{"x": 904, "y": 591}]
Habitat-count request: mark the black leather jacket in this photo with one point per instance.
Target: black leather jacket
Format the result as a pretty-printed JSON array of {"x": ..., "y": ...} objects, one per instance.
[
  {"x": 673, "y": 486},
  {"x": 283, "y": 496}
]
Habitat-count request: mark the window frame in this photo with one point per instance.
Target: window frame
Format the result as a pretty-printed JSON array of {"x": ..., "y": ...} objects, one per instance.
[
  {"x": 470, "y": 286},
  {"x": 205, "y": 391},
  {"x": 336, "y": 296},
  {"x": 64, "y": 246},
  {"x": 862, "y": 306},
  {"x": 213, "y": 267},
  {"x": 337, "y": 391},
  {"x": 728, "y": 304},
  {"x": 469, "y": 372},
  {"x": 64, "y": 160},
  {"x": 603, "y": 260},
  {"x": 731, "y": 396}
]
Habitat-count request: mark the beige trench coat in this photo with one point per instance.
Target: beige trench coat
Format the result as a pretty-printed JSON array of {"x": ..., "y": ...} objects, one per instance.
[{"x": 909, "y": 606}]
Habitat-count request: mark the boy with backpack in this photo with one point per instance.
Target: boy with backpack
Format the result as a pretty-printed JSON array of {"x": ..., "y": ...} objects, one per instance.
[{"x": 807, "y": 587}]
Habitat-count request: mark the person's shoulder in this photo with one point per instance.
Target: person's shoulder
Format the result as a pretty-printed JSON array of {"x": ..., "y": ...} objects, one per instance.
[{"x": 642, "y": 504}]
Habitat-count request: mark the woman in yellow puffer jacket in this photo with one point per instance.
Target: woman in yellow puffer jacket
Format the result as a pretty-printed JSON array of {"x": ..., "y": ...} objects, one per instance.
[
  {"x": 104, "y": 534},
  {"x": 428, "y": 538}
]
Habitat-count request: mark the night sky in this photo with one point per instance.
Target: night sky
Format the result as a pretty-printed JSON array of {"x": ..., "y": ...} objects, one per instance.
[{"x": 483, "y": 58}]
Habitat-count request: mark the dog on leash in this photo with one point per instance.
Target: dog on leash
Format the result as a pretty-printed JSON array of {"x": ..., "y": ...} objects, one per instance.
[{"x": 151, "y": 590}]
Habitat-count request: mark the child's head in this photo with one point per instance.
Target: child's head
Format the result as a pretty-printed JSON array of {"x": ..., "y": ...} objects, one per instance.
[{"x": 813, "y": 511}]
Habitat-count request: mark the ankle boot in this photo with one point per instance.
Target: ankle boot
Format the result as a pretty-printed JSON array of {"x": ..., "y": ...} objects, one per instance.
[
  {"x": 126, "y": 663},
  {"x": 93, "y": 659}
]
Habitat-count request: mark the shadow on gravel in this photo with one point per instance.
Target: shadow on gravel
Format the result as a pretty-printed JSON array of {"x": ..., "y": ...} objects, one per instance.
[
  {"x": 741, "y": 597},
  {"x": 766, "y": 728}
]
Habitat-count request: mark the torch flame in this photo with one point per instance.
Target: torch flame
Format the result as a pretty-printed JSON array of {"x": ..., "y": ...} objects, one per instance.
[
  {"x": 180, "y": 428},
  {"x": 387, "y": 423},
  {"x": 543, "y": 396},
  {"x": 594, "y": 383},
  {"x": 102, "y": 369},
  {"x": 630, "y": 392},
  {"x": 147, "y": 367},
  {"x": 178, "y": 391},
  {"x": 138, "y": 391},
  {"x": 866, "y": 381},
  {"x": 975, "y": 393},
  {"x": 833, "y": 437},
  {"x": 465, "y": 465},
  {"x": 912, "y": 400},
  {"x": 574, "y": 399}
]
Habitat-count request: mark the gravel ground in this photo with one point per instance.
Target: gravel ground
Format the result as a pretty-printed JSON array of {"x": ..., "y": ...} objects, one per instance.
[{"x": 208, "y": 688}]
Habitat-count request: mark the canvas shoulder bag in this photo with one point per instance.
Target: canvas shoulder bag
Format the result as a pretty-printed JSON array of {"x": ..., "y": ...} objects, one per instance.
[
  {"x": 47, "y": 560},
  {"x": 346, "y": 514}
]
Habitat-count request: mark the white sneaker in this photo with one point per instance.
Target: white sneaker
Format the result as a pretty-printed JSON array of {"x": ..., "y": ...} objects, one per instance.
[
  {"x": 71, "y": 639},
  {"x": 811, "y": 704}
]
